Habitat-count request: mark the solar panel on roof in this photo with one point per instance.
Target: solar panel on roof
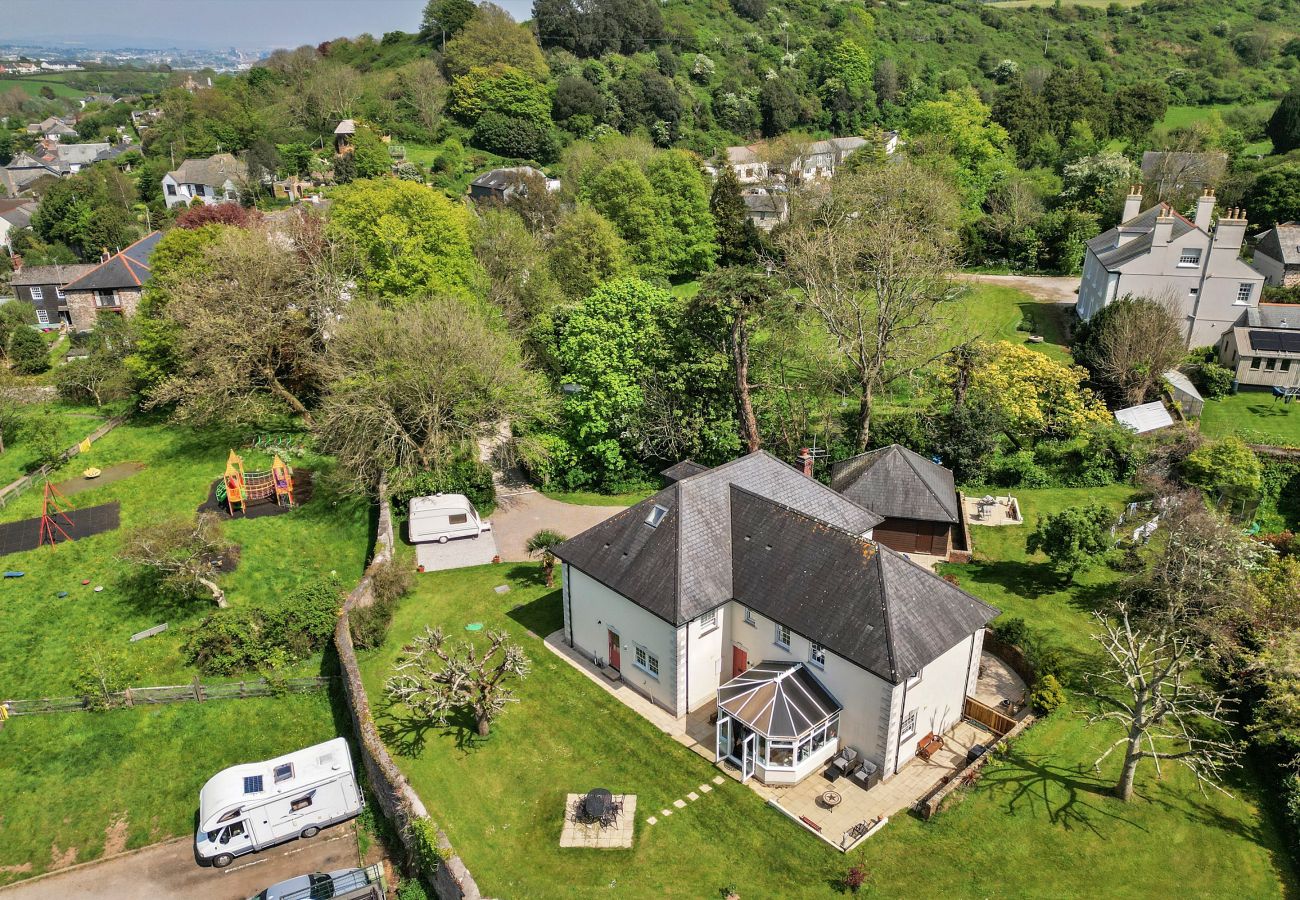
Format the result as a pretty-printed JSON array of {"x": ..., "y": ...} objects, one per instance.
[
  {"x": 252, "y": 784},
  {"x": 1275, "y": 341}
]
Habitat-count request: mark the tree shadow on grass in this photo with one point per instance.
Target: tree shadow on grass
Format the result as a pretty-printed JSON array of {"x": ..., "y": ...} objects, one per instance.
[
  {"x": 1030, "y": 580},
  {"x": 407, "y": 735},
  {"x": 541, "y": 616},
  {"x": 147, "y": 593},
  {"x": 1033, "y": 782}
]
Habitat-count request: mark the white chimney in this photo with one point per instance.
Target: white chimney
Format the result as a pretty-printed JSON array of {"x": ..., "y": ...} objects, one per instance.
[
  {"x": 1205, "y": 210},
  {"x": 1132, "y": 203},
  {"x": 1164, "y": 229}
]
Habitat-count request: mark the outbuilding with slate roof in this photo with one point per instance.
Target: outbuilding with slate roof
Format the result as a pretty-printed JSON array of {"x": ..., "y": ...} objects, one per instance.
[
  {"x": 753, "y": 567},
  {"x": 917, "y": 497}
]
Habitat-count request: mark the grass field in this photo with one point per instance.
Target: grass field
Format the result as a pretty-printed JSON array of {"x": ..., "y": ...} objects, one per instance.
[
  {"x": 1254, "y": 416},
  {"x": 991, "y": 312},
  {"x": 1038, "y": 824},
  {"x": 68, "y": 777},
  {"x": 74, "y": 786},
  {"x": 32, "y": 84},
  {"x": 72, "y": 422}
]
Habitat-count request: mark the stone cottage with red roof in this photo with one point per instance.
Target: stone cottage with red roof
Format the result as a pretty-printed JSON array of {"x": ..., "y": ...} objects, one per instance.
[{"x": 114, "y": 286}]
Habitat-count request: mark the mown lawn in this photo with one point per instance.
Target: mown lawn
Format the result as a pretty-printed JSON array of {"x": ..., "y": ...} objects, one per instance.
[
  {"x": 73, "y": 785},
  {"x": 66, "y": 778},
  {"x": 1039, "y": 824},
  {"x": 592, "y": 498},
  {"x": 1254, "y": 416},
  {"x": 74, "y": 423},
  {"x": 992, "y": 312}
]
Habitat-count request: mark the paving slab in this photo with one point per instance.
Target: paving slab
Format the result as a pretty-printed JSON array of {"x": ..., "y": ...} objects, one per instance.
[{"x": 457, "y": 554}]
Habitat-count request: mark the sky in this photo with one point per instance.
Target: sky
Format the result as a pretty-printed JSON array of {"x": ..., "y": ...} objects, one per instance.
[{"x": 210, "y": 24}]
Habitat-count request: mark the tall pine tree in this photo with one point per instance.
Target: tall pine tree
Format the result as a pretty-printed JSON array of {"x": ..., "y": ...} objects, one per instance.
[{"x": 738, "y": 240}]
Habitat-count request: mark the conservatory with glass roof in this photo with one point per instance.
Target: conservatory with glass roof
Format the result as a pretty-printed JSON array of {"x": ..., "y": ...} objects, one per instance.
[{"x": 777, "y": 723}]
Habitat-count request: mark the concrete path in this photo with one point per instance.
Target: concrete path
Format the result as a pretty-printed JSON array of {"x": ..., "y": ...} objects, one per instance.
[
  {"x": 521, "y": 515},
  {"x": 1042, "y": 287},
  {"x": 169, "y": 870}
]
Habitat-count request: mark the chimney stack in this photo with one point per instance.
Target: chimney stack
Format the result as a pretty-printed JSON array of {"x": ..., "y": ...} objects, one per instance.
[
  {"x": 1229, "y": 234},
  {"x": 806, "y": 461},
  {"x": 1164, "y": 229},
  {"x": 1205, "y": 210},
  {"x": 1132, "y": 203},
  {"x": 103, "y": 254}
]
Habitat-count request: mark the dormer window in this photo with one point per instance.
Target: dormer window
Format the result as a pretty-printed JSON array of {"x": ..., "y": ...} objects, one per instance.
[
  {"x": 1189, "y": 256},
  {"x": 656, "y": 515}
]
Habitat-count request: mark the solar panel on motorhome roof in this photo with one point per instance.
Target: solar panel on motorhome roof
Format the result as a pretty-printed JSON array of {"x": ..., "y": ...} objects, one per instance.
[{"x": 1275, "y": 341}]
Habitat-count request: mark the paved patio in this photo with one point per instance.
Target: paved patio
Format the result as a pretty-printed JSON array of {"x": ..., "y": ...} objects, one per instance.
[
  {"x": 593, "y": 835},
  {"x": 916, "y": 779},
  {"x": 999, "y": 513},
  {"x": 457, "y": 553}
]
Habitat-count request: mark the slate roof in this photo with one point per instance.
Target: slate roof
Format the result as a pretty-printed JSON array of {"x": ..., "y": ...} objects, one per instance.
[
  {"x": 683, "y": 566},
  {"x": 859, "y": 599},
  {"x": 60, "y": 275},
  {"x": 506, "y": 179},
  {"x": 764, "y": 201},
  {"x": 18, "y": 213},
  {"x": 1273, "y": 315},
  {"x": 214, "y": 171},
  {"x": 1110, "y": 256},
  {"x": 684, "y": 469},
  {"x": 897, "y": 483},
  {"x": 128, "y": 268},
  {"x": 1282, "y": 243}
]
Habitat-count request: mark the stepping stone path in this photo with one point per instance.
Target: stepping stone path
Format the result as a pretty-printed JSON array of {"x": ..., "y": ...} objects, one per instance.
[{"x": 681, "y": 804}]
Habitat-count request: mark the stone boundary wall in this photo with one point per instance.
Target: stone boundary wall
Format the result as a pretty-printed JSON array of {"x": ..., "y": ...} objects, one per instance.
[
  {"x": 1013, "y": 656},
  {"x": 397, "y": 800}
]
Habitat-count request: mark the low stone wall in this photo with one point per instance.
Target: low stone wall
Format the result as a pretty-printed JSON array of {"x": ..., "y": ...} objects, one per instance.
[
  {"x": 929, "y": 805},
  {"x": 1012, "y": 655},
  {"x": 397, "y": 800}
]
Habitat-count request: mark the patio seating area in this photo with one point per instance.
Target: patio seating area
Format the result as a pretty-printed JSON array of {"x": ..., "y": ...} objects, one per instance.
[
  {"x": 598, "y": 820},
  {"x": 990, "y": 510}
]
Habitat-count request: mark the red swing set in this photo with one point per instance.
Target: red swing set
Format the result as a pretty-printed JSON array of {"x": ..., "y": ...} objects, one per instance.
[{"x": 54, "y": 506}]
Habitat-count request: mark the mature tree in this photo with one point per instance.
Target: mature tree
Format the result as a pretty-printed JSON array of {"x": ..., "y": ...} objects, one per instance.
[
  {"x": 779, "y": 105},
  {"x": 1098, "y": 183},
  {"x": 958, "y": 131},
  {"x": 740, "y": 297},
  {"x": 1151, "y": 688},
  {"x": 1136, "y": 107},
  {"x": 445, "y": 18},
  {"x": 539, "y": 207},
  {"x": 231, "y": 214},
  {"x": 331, "y": 93},
  {"x": 1032, "y": 394},
  {"x": 677, "y": 178},
  {"x": 579, "y": 104},
  {"x": 1227, "y": 467},
  {"x": 244, "y": 361},
  {"x": 370, "y": 156},
  {"x": 492, "y": 37},
  {"x": 1129, "y": 345},
  {"x": 424, "y": 92},
  {"x": 519, "y": 281},
  {"x": 89, "y": 211},
  {"x": 872, "y": 254},
  {"x": 91, "y": 377},
  {"x": 435, "y": 679},
  {"x": 591, "y": 28},
  {"x": 623, "y": 195},
  {"x": 185, "y": 555},
  {"x": 409, "y": 389},
  {"x": 1073, "y": 537},
  {"x": 542, "y": 545},
  {"x": 412, "y": 240},
  {"x": 1284, "y": 125},
  {"x": 585, "y": 251},
  {"x": 1275, "y": 195},
  {"x": 738, "y": 239}
]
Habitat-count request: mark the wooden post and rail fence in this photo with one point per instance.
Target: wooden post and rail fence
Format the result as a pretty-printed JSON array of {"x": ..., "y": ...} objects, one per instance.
[{"x": 14, "y": 488}]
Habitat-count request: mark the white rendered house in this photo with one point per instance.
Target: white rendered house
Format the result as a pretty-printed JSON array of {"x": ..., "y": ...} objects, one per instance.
[
  {"x": 217, "y": 179},
  {"x": 755, "y": 590}
]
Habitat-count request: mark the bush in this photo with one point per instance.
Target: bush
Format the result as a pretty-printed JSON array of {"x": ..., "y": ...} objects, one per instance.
[
  {"x": 369, "y": 624},
  {"x": 1212, "y": 380},
  {"x": 1047, "y": 696},
  {"x": 412, "y": 889},
  {"x": 1072, "y": 538},
  {"x": 1011, "y": 631},
  {"x": 465, "y": 476},
  {"x": 1020, "y": 469},
  {"x": 247, "y": 638},
  {"x": 28, "y": 352},
  {"x": 1226, "y": 467}
]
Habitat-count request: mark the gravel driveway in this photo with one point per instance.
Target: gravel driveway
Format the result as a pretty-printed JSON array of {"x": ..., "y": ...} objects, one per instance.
[{"x": 519, "y": 516}]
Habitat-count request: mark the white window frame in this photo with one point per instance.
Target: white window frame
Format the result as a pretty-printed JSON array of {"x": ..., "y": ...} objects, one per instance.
[
  {"x": 909, "y": 726},
  {"x": 646, "y": 661},
  {"x": 1245, "y": 290},
  {"x": 37, "y": 292},
  {"x": 749, "y": 616},
  {"x": 916, "y": 679},
  {"x": 783, "y": 635},
  {"x": 1189, "y": 258},
  {"x": 42, "y": 317},
  {"x": 817, "y": 654},
  {"x": 709, "y": 621},
  {"x": 58, "y": 292}
]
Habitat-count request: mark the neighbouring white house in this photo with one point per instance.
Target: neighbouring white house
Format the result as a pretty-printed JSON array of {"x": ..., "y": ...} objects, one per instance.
[
  {"x": 1194, "y": 264},
  {"x": 217, "y": 179},
  {"x": 755, "y": 590}
]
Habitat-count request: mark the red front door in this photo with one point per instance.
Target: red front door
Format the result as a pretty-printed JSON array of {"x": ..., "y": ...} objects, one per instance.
[
  {"x": 614, "y": 661},
  {"x": 739, "y": 660}
]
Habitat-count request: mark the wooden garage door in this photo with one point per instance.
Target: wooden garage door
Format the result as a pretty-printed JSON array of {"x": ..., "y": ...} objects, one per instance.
[{"x": 912, "y": 536}]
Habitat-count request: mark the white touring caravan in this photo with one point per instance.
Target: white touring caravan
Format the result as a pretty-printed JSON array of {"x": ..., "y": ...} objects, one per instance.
[
  {"x": 444, "y": 516},
  {"x": 256, "y": 805}
]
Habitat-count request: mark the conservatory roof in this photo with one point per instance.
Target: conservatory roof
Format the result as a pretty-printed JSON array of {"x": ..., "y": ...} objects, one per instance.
[{"x": 779, "y": 700}]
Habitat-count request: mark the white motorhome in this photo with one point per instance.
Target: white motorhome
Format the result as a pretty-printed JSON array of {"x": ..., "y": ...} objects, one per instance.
[
  {"x": 257, "y": 805},
  {"x": 442, "y": 517}
]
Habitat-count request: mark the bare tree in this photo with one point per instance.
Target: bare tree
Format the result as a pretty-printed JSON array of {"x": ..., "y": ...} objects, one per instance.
[
  {"x": 435, "y": 680},
  {"x": 1131, "y": 343},
  {"x": 871, "y": 253},
  {"x": 424, "y": 90},
  {"x": 1167, "y": 714},
  {"x": 187, "y": 555}
]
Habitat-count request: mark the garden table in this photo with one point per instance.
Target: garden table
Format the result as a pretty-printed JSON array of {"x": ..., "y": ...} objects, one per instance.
[{"x": 597, "y": 802}]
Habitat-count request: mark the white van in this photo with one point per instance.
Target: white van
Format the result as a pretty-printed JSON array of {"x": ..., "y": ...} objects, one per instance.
[
  {"x": 257, "y": 805},
  {"x": 442, "y": 517}
]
